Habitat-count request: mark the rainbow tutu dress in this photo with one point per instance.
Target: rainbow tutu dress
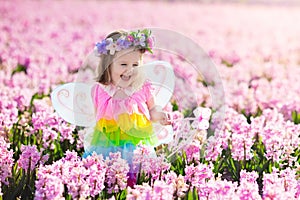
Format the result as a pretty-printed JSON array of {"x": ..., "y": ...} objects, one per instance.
[{"x": 121, "y": 123}]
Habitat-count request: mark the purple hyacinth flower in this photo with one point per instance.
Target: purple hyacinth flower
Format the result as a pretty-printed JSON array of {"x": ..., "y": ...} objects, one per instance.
[
  {"x": 127, "y": 42},
  {"x": 101, "y": 47},
  {"x": 120, "y": 44}
]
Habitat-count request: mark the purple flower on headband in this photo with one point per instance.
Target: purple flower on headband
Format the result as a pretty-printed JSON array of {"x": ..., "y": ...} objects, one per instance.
[
  {"x": 142, "y": 40},
  {"x": 125, "y": 43},
  {"x": 111, "y": 46},
  {"x": 120, "y": 43},
  {"x": 101, "y": 47}
]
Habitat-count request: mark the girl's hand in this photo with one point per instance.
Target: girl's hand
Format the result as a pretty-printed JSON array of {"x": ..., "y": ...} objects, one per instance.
[
  {"x": 162, "y": 117},
  {"x": 165, "y": 119}
]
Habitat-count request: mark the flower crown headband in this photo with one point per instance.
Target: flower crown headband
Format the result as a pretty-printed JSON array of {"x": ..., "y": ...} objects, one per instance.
[{"x": 140, "y": 39}]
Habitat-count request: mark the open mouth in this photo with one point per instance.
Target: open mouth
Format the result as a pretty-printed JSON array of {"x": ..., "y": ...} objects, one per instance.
[{"x": 125, "y": 77}]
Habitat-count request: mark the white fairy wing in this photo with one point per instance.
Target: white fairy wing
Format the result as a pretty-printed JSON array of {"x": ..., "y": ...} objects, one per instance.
[
  {"x": 162, "y": 77},
  {"x": 73, "y": 102},
  {"x": 164, "y": 134}
]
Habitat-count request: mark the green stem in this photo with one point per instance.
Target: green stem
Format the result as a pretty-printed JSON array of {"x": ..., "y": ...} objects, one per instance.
[
  {"x": 28, "y": 172},
  {"x": 139, "y": 174},
  {"x": 13, "y": 140}
]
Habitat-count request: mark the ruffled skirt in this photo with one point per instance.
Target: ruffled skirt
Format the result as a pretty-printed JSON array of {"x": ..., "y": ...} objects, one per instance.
[{"x": 121, "y": 135}]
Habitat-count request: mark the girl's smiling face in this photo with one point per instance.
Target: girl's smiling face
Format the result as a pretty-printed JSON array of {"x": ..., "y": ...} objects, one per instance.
[{"x": 123, "y": 68}]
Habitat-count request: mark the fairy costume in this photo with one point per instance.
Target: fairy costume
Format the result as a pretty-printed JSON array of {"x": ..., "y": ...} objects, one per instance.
[
  {"x": 121, "y": 123},
  {"x": 118, "y": 124},
  {"x": 114, "y": 124}
]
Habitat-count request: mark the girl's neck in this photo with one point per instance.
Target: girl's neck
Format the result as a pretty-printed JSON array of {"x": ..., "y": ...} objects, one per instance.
[
  {"x": 120, "y": 94},
  {"x": 121, "y": 88}
]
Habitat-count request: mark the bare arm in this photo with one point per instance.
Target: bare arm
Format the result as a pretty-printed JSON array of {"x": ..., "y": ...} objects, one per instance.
[{"x": 157, "y": 114}]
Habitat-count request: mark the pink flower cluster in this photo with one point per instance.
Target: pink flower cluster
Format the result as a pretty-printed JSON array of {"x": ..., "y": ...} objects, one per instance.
[
  {"x": 193, "y": 150},
  {"x": 30, "y": 157},
  {"x": 281, "y": 185},
  {"x": 8, "y": 107},
  {"x": 190, "y": 132},
  {"x": 259, "y": 71},
  {"x": 201, "y": 178},
  {"x": 116, "y": 173},
  {"x": 280, "y": 137},
  {"x": 160, "y": 190},
  {"x": 197, "y": 176},
  {"x": 82, "y": 177},
  {"x": 6, "y": 161},
  {"x": 44, "y": 119},
  {"x": 234, "y": 133},
  {"x": 248, "y": 188},
  {"x": 177, "y": 182},
  {"x": 146, "y": 161}
]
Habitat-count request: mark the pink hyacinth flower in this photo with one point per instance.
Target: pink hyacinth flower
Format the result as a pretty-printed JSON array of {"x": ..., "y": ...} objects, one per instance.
[{"x": 202, "y": 116}]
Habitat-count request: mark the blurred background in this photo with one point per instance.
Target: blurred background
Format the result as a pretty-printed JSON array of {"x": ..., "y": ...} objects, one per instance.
[{"x": 246, "y": 40}]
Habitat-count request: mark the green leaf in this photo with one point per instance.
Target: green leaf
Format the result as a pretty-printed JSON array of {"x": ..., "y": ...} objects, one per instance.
[
  {"x": 227, "y": 63},
  {"x": 16, "y": 189},
  {"x": 232, "y": 164},
  {"x": 296, "y": 117},
  {"x": 19, "y": 68},
  {"x": 218, "y": 165},
  {"x": 195, "y": 194},
  {"x": 174, "y": 106},
  {"x": 122, "y": 195},
  {"x": 190, "y": 195}
]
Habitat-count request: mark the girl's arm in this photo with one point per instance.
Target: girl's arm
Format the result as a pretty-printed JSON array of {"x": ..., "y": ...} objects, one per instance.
[{"x": 157, "y": 114}]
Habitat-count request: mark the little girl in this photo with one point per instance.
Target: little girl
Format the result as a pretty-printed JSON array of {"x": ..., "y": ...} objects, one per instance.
[{"x": 124, "y": 104}]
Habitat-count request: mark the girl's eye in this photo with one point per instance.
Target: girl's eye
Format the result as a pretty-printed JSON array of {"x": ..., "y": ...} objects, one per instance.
[
  {"x": 135, "y": 65},
  {"x": 123, "y": 64}
]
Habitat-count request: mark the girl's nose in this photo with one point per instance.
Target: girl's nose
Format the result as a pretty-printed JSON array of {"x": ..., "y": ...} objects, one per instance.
[{"x": 130, "y": 70}]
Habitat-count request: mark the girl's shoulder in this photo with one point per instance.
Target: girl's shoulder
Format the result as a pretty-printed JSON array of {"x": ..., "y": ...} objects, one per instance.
[
  {"x": 146, "y": 89},
  {"x": 100, "y": 88},
  {"x": 145, "y": 86}
]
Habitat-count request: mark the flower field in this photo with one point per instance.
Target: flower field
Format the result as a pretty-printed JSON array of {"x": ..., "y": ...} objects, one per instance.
[{"x": 253, "y": 152}]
